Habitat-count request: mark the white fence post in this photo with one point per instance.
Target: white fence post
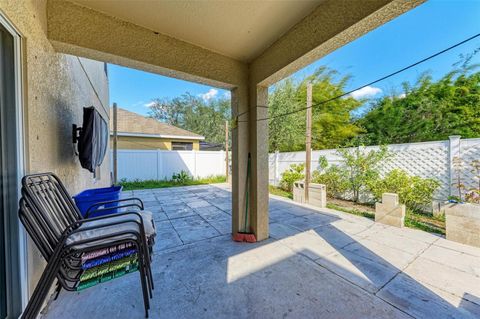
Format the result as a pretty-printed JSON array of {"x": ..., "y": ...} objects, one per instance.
[
  {"x": 159, "y": 163},
  {"x": 276, "y": 174},
  {"x": 453, "y": 152},
  {"x": 195, "y": 164},
  {"x": 224, "y": 165}
]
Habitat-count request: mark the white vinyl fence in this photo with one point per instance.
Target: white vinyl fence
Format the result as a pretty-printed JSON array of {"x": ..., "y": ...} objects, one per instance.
[
  {"x": 425, "y": 159},
  {"x": 160, "y": 165}
]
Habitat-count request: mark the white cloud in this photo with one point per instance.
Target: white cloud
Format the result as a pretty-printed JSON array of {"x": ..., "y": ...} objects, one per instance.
[
  {"x": 401, "y": 96},
  {"x": 150, "y": 104},
  {"x": 367, "y": 91},
  {"x": 209, "y": 95},
  {"x": 138, "y": 103}
]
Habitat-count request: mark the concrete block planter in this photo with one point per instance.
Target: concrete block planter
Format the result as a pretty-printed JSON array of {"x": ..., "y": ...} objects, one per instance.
[
  {"x": 317, "y": 195},
  {"x": 299, "y": 192},
  {"x": 462, "y": 223},
  {"x": 390, "y": 211}
]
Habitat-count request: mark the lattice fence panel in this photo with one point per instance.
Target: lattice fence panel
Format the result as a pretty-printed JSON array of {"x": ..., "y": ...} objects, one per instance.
[
  {"x": 428, "y": 161},
  {"x": 470, "y": 152}
]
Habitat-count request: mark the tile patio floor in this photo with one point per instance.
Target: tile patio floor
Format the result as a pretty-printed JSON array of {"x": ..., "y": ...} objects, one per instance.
[{"x": 317, "y": 264}]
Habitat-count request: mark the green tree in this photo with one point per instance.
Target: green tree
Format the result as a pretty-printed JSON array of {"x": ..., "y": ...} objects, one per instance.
[
  {"x": 172, "y": 111},
  {"x": 194, "y": 114},
  {"x": 286, "y": 133},
  {"x": 426, "y": 110},
  {"x": 331, "y": 122}
]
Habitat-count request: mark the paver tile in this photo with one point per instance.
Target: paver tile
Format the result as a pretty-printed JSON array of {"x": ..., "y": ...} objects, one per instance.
[
  {"x": 421, "y": 300},
  {"x": 457, "y": 282},
  {"x": 360, "y": 271},
  {"x": 192, "y": 234},
  {"x": 190, "y": 221}
]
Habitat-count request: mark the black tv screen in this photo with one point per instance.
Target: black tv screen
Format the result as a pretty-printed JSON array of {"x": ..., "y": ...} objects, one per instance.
[{"x": 93, "y": 139}]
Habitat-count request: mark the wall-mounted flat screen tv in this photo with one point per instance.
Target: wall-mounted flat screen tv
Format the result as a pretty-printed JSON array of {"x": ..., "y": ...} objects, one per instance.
[{"x": 93, "y": 139}]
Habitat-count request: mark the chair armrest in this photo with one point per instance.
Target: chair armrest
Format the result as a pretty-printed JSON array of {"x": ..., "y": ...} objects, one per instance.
[
  {"x": 139, "y": 204},
  {"x": 91, "y": 213}
]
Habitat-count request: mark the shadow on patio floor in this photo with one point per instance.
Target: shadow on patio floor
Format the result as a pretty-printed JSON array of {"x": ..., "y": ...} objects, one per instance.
[{"x": 315, "y": 265}]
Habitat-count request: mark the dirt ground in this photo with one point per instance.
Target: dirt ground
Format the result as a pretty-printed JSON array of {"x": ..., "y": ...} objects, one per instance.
[
  {"x": 424, "y": 221},
  {"x": 352, "y": 205}
]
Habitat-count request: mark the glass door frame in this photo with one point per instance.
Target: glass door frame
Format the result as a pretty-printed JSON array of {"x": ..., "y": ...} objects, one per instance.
[{"x": 16, "y": 245}]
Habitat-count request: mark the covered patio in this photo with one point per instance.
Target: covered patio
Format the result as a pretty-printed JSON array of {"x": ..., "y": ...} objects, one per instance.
[
  {"x": 307, "y": 263},
  {"x": 226, "y": 48},
  {"x": 317, "y": 263}
]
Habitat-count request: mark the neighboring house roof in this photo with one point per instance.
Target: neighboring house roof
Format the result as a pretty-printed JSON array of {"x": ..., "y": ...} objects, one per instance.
[{"x": 133, "y": 124}]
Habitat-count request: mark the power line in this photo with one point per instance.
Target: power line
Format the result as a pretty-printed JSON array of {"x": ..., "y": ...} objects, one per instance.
[
  {"x": 245, "y": 112},
  {"x": 370, "y": 83}
]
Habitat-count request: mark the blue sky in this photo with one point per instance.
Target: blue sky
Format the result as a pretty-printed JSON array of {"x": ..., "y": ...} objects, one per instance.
[{"x": 421, "y": 32}]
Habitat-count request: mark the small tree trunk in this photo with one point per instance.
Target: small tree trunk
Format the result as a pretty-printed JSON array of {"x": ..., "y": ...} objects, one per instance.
[{"x": 355, "y": 196}]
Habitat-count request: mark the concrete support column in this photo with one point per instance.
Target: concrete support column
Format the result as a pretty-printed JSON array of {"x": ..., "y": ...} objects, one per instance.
[
  {"x": 240, "y": 148},
  {"x": 258, "y": 128},
  {"x": 250, "y": 134}
]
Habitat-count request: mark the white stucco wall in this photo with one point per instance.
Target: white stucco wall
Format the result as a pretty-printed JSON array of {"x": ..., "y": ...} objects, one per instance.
[{"x": 56, "y": 88}]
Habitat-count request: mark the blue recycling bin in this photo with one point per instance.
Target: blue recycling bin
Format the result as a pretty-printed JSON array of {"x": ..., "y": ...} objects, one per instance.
[{"x": 89, "y": 197}]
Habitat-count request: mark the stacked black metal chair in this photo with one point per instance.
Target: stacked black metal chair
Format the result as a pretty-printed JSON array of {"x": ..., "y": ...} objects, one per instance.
[{"x": 65, "y": 239}]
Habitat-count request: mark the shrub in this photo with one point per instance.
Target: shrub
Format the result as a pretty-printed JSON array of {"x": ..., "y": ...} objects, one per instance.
[
  {"x": 394, "y": 182},
  {"x": 181, "y": 178},
  {"x": 333, "y": 177},
  {"x": 415, "y": 192},
  {"x": 295, "y": 173},
  {"x": 421, "y": 192},
  {"x": 322, "y": 162},
  {"x": 473, "y": 196},
  {"x": 361, "y": 167}
]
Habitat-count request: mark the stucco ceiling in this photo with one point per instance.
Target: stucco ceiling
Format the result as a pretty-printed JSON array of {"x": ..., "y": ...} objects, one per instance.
[{"x": 239, "y": 29}]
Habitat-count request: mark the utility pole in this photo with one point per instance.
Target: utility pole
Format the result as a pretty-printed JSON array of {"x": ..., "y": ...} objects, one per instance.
[
  {"x": 308, "y": 141},
  {"x": 115, "y": 176},
  {"x": 226, "y": 150}
]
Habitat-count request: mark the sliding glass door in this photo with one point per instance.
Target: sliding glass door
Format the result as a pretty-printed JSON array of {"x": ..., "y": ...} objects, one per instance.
[
  {"x": 3, "y": 283},
  {"x": 9, "y": 241}
]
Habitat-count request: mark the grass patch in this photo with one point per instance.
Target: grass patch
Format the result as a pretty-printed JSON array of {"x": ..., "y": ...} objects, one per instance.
[
  {"x": 422, "y": 221},
  {"x": 279, "y": 192},
  {"x": 132, "y": 185},
  {"x": 425, "y": 222},
  {"x": 353, "y": 211}
]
